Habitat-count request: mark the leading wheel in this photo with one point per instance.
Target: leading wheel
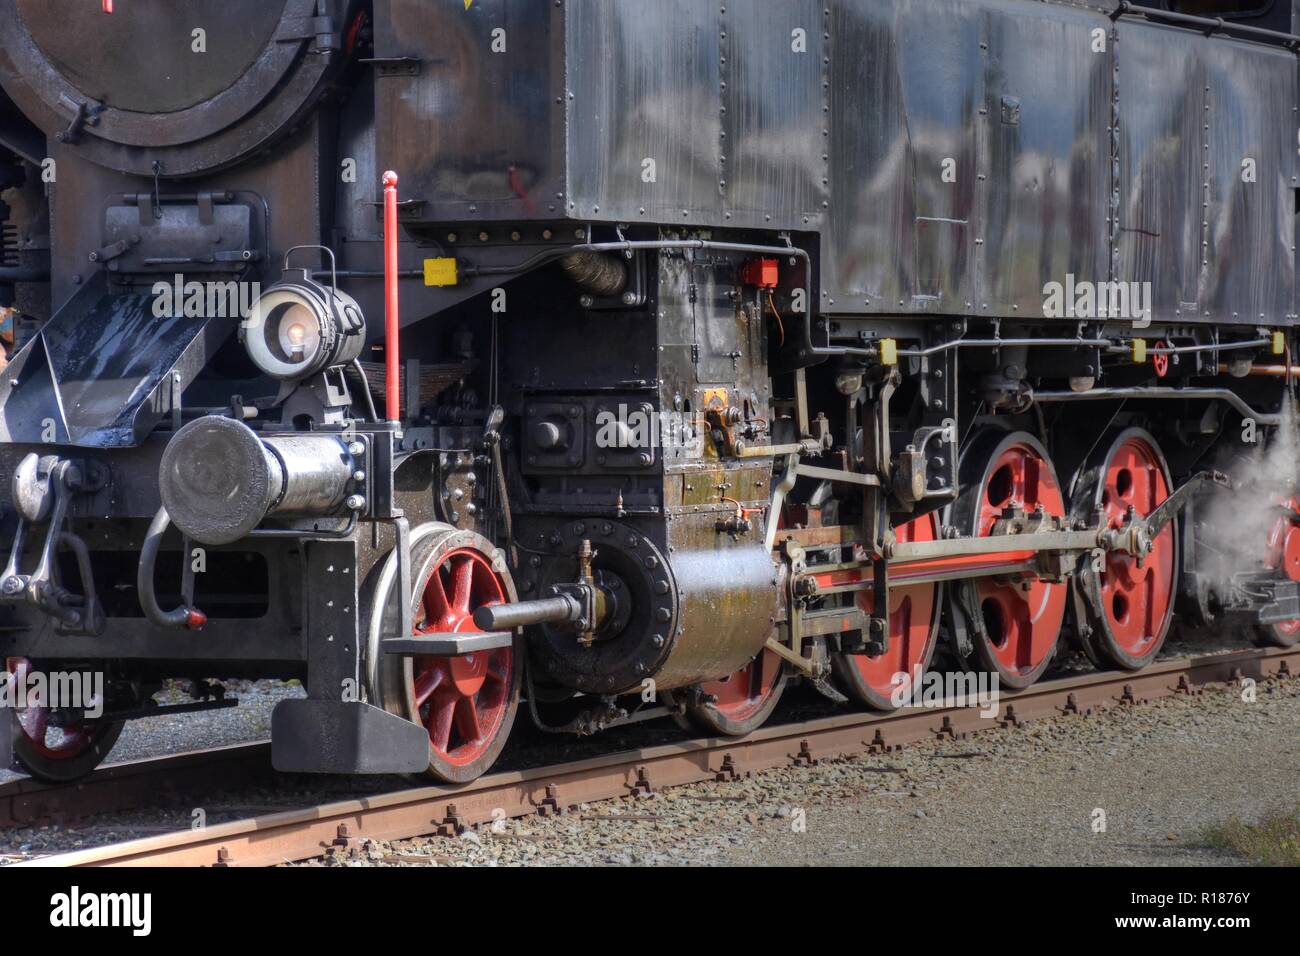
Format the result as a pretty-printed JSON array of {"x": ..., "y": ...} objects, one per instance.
[
  {"x": 1128, "y": 603},
  {"x": 1013, "y": 621},
  {"x": 57, "y": 745},
  {"x": 913, "y": 632},
  {"x": 466, "y": 703}
]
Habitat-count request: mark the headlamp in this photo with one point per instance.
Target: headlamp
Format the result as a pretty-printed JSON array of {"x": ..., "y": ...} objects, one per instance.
[{"x": 298, "y": 327}]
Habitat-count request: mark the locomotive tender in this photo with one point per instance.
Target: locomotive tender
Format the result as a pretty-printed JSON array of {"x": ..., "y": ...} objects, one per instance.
[{"x": 712, "y": 345}]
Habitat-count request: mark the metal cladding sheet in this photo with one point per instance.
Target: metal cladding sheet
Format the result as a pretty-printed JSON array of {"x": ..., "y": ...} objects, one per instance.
[
  {"x": 728, "y": 604},
  {"x": 1207, "y": 169}
]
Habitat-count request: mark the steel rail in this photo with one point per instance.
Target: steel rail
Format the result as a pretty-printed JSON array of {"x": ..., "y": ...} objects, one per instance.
[
  {"x": 126, "y": 785},
  {"x": 338, "y": 827}
]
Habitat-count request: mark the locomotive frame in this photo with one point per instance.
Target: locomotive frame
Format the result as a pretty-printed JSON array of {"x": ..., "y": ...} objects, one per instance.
[{"x": 817, "y": 239}]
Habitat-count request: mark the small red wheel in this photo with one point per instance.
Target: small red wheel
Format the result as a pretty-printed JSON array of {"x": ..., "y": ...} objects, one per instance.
[
  {"x": 739, "y": 704},
  {"x": 913, "y": 633},
  {"x": 52, "y": 745},
  {"x": 1160, "y": 360},
  {"x": 1130, "y": 603},
  {"x": 466, "y": 703},
  {"x": 1019, "y": 621},
  {"x": 1283, "y": 554}
]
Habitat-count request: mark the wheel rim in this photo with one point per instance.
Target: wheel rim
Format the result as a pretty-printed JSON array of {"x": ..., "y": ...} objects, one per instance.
[
  {"x": 44, "y": 739},
  {"x": 1136, "y": 602},
  {"x": 462, "y": 701},
  {"x": 1022, "y": 620},
  {"x": 913, "y": 627},
  {"x": 744, "y": 694},
  {"x": 1283, "y": 554}
]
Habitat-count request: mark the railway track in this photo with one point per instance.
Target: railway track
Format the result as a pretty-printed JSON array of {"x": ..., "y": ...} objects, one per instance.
[
  {"x": 339, "y": 826},
  {"x": 128, "y": 785}
]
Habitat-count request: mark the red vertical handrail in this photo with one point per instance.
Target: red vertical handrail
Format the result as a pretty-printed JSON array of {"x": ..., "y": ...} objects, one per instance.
[
  {"x": 392, "y": 327},
  {"x": 108, "y": 6}
]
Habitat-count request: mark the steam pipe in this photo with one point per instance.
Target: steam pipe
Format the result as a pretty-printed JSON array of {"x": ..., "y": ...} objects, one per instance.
[
  {"x": 392, "y": 324},
  {"x": 1275, "y": 371},
  {"x": 1141, "y": 392}
]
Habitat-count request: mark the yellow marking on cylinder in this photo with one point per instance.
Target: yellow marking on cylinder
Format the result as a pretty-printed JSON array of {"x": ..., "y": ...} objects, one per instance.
[
  {"x": 1279, "y": 343},
  {"x": 1140, "y": 351}
]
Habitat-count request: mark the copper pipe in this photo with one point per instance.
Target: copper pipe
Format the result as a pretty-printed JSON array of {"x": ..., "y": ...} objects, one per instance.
[{"x": 1275, "y": 371}]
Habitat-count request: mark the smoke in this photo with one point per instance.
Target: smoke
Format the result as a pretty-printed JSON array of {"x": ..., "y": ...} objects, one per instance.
[{"x": 1234, "y": 526}]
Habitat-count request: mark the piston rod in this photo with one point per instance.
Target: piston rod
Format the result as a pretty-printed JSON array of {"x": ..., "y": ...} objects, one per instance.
[{"x": 564, "y": 609}]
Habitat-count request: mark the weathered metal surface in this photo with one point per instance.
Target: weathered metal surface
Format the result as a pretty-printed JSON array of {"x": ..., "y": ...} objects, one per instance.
[
  {"x": 469, "y": 117},
  {"x": 103, "y": 371},
  {"x": 1206, "y": 168},
  {"x": 953, "y": 156},
  {"x": 729, "y": 600},
  {"x": 189, "y": 111}
]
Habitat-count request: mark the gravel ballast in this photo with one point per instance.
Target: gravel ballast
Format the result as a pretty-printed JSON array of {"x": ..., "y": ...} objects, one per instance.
[{"x": 1161, "y": 773}]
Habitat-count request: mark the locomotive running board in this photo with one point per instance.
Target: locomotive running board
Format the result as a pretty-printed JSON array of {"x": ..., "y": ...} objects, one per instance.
[{"x": 447, "y": 644}]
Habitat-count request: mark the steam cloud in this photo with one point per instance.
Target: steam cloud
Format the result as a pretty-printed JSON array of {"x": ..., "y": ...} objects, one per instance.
[{"x": 1235, "y": 525}]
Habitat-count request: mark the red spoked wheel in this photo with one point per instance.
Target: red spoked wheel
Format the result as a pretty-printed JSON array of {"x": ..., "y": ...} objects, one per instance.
[
  {"x": 1014, "y": 624},
  {"x": 1129, "y": 603},
  {"x": 1283, "y": 554},
  {"x": 739, "y": 704},
  {"x": 913, "y": 634},
  {"x": 466, "y": 703},
  {"x": 54, "y": 745}
]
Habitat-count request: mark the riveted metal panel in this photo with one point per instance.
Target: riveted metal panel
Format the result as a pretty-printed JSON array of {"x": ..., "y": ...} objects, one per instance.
[
  {"x": 468, "y": 107},
  {"x": 1048, "y": 94},
  {"x": 1160, "y": 172},
  {"x": 774, "y": 154},
  {"x": 905, "y": 82},
  {"x": 1206, "y": 172},
  {"x": 645, "y": 110},
  {"x": 1249, "y": 264}
]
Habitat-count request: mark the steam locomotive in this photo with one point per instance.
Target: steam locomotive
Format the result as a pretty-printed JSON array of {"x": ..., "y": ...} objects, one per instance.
[{"x": 631, "y": 360}]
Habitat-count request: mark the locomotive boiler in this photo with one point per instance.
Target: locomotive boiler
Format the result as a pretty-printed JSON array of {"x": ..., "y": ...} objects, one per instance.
[{"x": 627, "y": 360}]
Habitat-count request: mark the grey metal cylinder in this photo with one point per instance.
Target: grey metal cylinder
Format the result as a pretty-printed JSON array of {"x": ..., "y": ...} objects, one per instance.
[
  {"x": 316, "y": 470},
  {"x": 219, "y": 480},
  {"x": 504, "y": 617}
]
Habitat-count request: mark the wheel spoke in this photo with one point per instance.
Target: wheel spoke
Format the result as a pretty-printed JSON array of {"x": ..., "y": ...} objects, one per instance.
[
  {"x": 467, "y": 721},
  {"x": 427, "y": 682},
  {"x": 441, "y": 712},
  {"x": 462, "y": 584},
  {"x": 436, "y": 604}
]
